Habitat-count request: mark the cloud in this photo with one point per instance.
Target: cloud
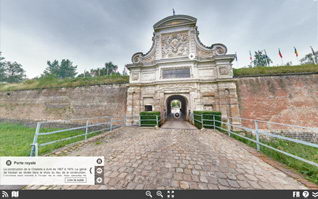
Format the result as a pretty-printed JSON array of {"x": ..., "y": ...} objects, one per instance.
[{"x": 92, "y": 32}]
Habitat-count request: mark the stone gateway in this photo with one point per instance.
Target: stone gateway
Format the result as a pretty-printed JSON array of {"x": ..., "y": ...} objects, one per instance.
[{"x": 179, "y": 66}]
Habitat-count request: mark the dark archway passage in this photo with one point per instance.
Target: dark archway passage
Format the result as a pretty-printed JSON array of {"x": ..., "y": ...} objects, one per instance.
[{"x": 183, "y": 108}]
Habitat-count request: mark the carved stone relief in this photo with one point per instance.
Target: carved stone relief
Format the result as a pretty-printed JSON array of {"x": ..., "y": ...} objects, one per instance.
[
  {"x": 224, "y": 70},
  {"x": 175, "y": 44},
  {"x": 135, "y": 76}
]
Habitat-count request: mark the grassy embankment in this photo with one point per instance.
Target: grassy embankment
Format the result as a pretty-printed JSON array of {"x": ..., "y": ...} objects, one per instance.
[
  {"x": 275, "y": 70},
  {"x": 310, "y": 153},
  {"x": 16, "y": 139},
  {"x": 115, "y": 79},
  {"x": 59, "y": 83}
]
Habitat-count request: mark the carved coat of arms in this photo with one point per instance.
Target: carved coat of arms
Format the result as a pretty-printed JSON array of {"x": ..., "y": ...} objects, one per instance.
[{"x": 175, "y": 45}]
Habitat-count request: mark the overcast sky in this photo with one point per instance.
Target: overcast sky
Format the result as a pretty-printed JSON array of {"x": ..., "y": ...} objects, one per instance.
[{"x": 92, "y": 32}]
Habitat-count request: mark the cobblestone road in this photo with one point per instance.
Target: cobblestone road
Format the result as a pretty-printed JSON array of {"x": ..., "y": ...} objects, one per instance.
[{"x": 144, "y": 158}]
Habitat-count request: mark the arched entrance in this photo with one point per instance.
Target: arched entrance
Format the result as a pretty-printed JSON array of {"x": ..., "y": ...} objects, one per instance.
[{"x": 176, "y": 106}]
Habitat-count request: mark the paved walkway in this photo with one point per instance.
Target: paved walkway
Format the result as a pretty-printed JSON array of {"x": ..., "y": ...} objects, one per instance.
[
  {"x": 177, "y": 124},
  {"x": 146, "y": 158}
]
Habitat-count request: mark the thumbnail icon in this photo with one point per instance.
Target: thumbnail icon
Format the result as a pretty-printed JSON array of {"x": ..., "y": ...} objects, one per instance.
[
  {"x": 8, "y": 162},
  {"x": 148, "y": 193},
  {"x": 305, "y": 194},
  {"x": 159, "y": 193},
  {"x": 4, "y": 194},
  {"x": 14, "y": 194},
  {"x": 315, "y": 194},
  {"x": 296, "y": 194},
  {"x": 170, "y": 194}
]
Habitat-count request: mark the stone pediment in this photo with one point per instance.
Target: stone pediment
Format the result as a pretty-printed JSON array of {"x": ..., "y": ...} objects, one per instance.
[
  {"x": 177, "y": 38},
  {"x": 175, "y": 21}
]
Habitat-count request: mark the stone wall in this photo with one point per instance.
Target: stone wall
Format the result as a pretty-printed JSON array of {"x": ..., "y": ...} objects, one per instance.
[
  {"x": 64, "y": 103},
  {"x": 290, "y": 99}
]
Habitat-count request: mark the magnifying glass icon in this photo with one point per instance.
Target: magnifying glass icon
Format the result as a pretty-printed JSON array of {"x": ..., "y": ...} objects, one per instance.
[
  {"x": 148, "y": 193},
  {"x": 159, "y": 193}
]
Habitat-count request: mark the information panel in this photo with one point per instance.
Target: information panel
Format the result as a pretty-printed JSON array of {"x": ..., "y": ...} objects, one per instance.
[{"x": 51, "y": 170}]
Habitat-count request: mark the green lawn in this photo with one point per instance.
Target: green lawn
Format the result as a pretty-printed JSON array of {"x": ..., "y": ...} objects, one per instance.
[
  {"x": 275, "y": 70},
  {"x": 16, "y": 139},
  {"x": 310, "y": 153}
]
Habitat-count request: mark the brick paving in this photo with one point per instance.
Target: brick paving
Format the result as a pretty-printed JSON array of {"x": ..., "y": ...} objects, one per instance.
[{"x": 146, "y": 158}]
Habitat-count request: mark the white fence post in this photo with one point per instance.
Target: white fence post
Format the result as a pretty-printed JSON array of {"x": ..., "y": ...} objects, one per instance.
[
  {"x": 86, "y": 130},
  {"x": 111, "y": 124},
  {"x": 202, "y": 121},
  {"x": 257, "y": 135},
  {"x": 214, "y": 122},
  {"x": 228, "y": 127},
  {"x": 35, "y": 146}
]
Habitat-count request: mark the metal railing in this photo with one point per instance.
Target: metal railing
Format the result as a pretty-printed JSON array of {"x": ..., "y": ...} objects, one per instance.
[
  {"x": 155, "y": 118},
  {"x": 75, "y": 128},
  {"x": 257, "y": 132},
  {"x": 203, "y": 121}
]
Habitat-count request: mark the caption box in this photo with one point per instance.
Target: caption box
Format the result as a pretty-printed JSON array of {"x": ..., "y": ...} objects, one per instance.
[{"x": 51, "y": 170}]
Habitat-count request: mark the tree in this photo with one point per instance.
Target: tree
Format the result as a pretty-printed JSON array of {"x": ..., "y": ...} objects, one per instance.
[
  {"x": 85, "y": 74},
  {"x": 62, "y": 70},
  {"x": 261, "y": 59},
  {"x": 110, "y": 68},
  {"x": 14, "y": 72},
  {"x": 2, "y": 69},
  {"x": 176, "y": 104},
  {"x": 311, "y": 58},
  {"x": 125, "y": 72}
]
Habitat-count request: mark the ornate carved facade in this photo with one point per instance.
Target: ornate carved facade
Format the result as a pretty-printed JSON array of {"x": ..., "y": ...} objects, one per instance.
[{"x": 178, "y": 64}]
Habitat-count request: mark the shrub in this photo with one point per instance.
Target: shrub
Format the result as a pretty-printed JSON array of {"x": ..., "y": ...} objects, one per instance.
[
  {"x": 207, "y": 115},
  {"x": 275, "y": 70},
  {"x": 150, "y": 117}
]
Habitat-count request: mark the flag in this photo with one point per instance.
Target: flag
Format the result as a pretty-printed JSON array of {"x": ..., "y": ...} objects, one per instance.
[
  {"x": 251, "y": 58},
  {"x": 312, "y": 50},
  {"x": 296, "y": 52},
  {"x": 280, "y": 53},
  {"x": 235, "y": 56}
]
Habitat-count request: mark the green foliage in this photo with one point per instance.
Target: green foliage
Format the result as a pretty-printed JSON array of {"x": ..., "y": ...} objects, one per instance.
[
  {"x": 150, "y": 117},
  {"x": 310, "y": 153},
  {"x": 62, "y": 70},
  {"x": 2, "y": 69},
  {"x": 10, "y": 71},
  {"x": 310, "y": 58},
  {"x": 207, "y": 115},
  {"x": 51, "y": 81},
  {"x": 175, "y": 104},
  {"x": 125, "y": 72},
  {"x": 261, "y": 59},
  {"x": 108, "y": 69},
  {"x": 14, "y": 72},
  {"x": 275, "y": 70}
]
